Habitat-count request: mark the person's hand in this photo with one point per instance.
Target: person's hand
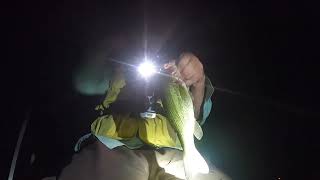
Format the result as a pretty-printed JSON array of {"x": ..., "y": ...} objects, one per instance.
[{"x": 190, "y": 70}]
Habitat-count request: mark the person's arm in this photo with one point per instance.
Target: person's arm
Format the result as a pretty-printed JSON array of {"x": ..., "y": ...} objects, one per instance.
[
  {"x": 192, "y": 73},
  {"x": 197, "y": 89}
]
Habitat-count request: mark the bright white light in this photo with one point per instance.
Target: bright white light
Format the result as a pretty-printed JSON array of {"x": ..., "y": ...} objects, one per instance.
[{"x": 147, "y": 69}]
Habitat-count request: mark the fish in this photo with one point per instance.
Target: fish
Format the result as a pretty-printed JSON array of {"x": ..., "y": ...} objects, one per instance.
[{"x": 178, "y": 105}]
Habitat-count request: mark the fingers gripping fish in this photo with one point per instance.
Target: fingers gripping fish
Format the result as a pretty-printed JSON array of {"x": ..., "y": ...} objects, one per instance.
[{"x": 178, "y": 105}]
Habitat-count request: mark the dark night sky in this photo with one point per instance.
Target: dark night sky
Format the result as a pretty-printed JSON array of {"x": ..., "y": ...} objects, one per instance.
[{"x": 265, "y": 51}]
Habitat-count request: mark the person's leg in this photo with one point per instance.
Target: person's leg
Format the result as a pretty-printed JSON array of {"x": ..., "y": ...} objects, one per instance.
[
  {"x": 155, "y": 171},
  {"x": 171, "y": 160},
  {"x": 97, "y": 162},
  {"x": 214, "y": 174}
]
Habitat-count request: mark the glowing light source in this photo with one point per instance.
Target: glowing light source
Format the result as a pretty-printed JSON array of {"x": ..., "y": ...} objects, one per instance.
[{"x": 147, "y": 69}]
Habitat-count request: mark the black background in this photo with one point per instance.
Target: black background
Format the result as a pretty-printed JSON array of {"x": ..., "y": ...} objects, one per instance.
[{"x": 265, "y": 52}]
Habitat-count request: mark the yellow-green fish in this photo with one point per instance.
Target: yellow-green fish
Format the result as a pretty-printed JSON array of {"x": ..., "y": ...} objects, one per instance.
[{"x": 178, "y": 105}]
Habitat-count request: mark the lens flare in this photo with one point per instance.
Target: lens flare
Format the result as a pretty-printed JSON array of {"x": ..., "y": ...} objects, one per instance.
[{"x": 147, "y": 69}]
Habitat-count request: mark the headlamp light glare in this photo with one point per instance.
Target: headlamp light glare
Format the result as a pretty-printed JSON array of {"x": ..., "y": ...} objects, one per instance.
[{"x": 147, "y": 69}]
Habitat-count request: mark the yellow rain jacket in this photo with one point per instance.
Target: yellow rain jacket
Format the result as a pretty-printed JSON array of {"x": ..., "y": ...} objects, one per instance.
[{"x": 125, "y": 127}]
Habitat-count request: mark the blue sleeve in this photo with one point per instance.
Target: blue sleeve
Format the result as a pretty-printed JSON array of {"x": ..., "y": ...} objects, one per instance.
[{"x": 207, "y": 104}]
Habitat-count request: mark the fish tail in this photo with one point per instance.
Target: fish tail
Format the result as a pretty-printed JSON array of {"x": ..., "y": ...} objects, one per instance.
[{"x": 194, "y": 163}]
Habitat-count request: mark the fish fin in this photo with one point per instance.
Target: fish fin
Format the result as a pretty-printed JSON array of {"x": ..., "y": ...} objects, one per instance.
[
  {"x": 194, "y": 163},
  {"x": 198, "y": 133}
]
